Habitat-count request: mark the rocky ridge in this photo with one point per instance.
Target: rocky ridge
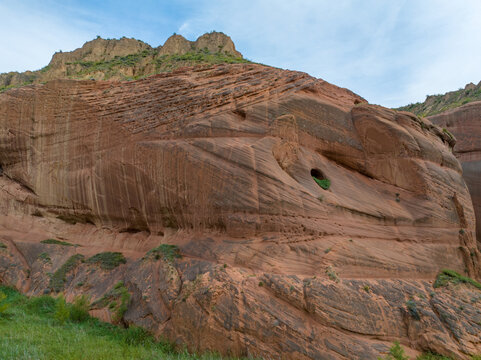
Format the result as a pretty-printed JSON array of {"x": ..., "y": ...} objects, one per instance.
[
  {"x": 435, "y": 104},
  {"x": 128, "y": 59},
  {"x": 207, "y": 180}
]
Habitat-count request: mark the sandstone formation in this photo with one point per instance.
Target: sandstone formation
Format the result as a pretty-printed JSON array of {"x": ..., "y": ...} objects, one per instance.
[
  {"x": 464, "y": 124},
  {"x": 218, "y": 162}
]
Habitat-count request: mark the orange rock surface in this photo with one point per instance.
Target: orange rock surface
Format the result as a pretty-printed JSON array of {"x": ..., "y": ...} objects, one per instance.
[
  {"x": 463, "y": 123},
  {"x": 218, "y": 161}
]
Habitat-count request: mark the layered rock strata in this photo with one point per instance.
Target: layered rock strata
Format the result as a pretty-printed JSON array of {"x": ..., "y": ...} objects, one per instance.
[
  {"x": 464, "y": 124},
  {"x": 219, "y": 162}
]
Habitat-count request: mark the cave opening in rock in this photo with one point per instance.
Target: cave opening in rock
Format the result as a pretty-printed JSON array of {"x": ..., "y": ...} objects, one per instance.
[
  {"x": 1, "y": 170},
  {"x": 320, "y": 179}
]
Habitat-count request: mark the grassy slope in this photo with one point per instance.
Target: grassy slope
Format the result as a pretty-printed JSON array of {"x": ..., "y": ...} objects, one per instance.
[
  {"x": 28, "y": 330},
  {"x": 436, "y": 104},
  {"x": 116, "y": 68}
]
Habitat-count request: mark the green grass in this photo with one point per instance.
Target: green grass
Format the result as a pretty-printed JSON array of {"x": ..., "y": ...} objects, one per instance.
[
  {"x": 396, "y": 352},
  {"x": 30, "y": 331},
  {"x": 171, "y": 62},
  {"x": 165, "y": 63},
  {"x": 57, "y": 281},
  {"x": 2, "y": 246},
  {"x": 450, "y": 276},
  {"x": 331, "y": 273},
  {"x": 108, "y": 260},
  {"x": 323, "y": 183},
  {"x": 413, "y": 309},
  {"x": 442, "y": 102},
  {"x": 166, "y": 252},
  {"x": 117, "y": 300},
  {"x": 8, "y": 87},
  {"x": 45, "y": 257},
  {"x": 448, "y": 133},
  {"x": 114, "y": 68},
  {"x": 110, "y": 67},
  {"x": 3, "y": 303},
  {"x": 56, "y": 242}
]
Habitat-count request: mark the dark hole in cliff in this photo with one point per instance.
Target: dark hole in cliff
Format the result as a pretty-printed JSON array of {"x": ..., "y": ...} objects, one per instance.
[
  {"x": 320, "y": 179},
  {"x": 1, "y": 170},
  {"x": 134, "y": 230},
  {"x": 241, "y": 113}
]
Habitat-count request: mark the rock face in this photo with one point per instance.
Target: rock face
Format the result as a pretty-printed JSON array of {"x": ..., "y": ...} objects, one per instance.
[
  {"x": 464, "y": 124},
  {"x": 218, "y": 161}
]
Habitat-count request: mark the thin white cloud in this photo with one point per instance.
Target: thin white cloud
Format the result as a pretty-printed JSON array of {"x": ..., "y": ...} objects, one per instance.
[
  {"x": 31, "y": 37},
  {"x": 390, "y": 52}
]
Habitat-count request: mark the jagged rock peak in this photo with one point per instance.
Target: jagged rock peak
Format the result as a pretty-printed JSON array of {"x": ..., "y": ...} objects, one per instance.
[
  {"x": 213, "y": 42},
  {"x": 217, "y": 41},
  {"x": 176, "y": 44},
  {"x": 127, "y": 59},
  {"x": 101, "y": 49}
]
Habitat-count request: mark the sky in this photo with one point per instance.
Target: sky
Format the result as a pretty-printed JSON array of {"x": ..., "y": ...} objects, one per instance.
[{"x": 391, "y": 52}]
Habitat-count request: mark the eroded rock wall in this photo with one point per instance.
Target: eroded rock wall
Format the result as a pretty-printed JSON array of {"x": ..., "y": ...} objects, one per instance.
[
  {"x": 218, "y": 161},
  {"x": 465, "y": 124}
]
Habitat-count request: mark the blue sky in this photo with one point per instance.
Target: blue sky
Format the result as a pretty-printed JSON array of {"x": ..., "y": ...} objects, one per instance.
[{"x": 391, "y": 52}]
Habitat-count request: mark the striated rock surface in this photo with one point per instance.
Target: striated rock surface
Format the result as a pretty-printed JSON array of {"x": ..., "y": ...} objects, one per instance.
[
  {"x": 218, "y": 161},
  {"x": 465, "y": 124}
]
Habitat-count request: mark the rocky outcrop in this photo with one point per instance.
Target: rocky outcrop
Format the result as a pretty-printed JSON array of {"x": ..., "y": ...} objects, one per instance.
[
  {"x": 100, "y": 50},
  {"x": 216, "y": 42},
  {"x": 436, "y": 104},
  {"x": 463, "y": 123},
  {"x": 128, "y": 59},
  {"x": 213, "y": 42},
  {"x": 204, "y": 179}
]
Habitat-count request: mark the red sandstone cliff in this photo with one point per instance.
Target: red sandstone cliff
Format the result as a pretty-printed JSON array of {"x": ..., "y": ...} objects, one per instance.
[
  {"x": 464, "y": 123},
  {"x": 218, "y": 161}
]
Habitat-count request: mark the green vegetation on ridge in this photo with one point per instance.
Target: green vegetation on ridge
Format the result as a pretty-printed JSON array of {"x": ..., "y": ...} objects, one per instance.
[
  {"x": 450, "y": 276},
  {"x": 58, "y": 278},
  {"x": 435, "y": 104},
  {"x": 396, "y": 352},
  {"x": 108, "y": 260},
  {"x": 131, "y": 67},
  {"x": 56, "y": 242},
  {"x": 165, "y": 251}
]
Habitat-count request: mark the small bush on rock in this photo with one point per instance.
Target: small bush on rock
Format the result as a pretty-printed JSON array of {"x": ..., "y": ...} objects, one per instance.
[
  {"x": 41, "y": 305},
  {"x": 3, "y": 304},
  {"x": 108, "y": 260},
  {"x": 61, "y": 310},
  {"x": 396, "y": 352},
  {"x": 79, "y": 310},
  {"x": 450, "y": 276},
  {"x": 166, "y": 251},
  {"x": 56, "y": 242}
]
